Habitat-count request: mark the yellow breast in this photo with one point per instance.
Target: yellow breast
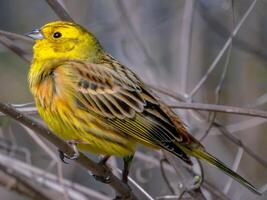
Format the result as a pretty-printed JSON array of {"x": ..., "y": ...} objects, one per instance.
[{"x": 54, "y": 97}]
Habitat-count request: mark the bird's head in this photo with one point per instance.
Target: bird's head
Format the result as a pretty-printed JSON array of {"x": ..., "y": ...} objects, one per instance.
[{"x": 62, "y": 39}]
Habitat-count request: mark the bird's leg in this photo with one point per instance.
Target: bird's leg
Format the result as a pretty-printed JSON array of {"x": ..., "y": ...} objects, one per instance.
[
  {"x": 102, "y": 162},
  {"x": 127, "y": 160},
  {"x": 73, "y": 144}
]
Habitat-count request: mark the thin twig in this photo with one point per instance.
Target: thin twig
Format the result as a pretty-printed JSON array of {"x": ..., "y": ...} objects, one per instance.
[
  {"x": 15, "y": 36},
  {"x": 185, "y": 43},
  {"x": 244, "y": 125},
  {"x": 136, "y": 185},
  {"x": 221, "y": 53},
  {"x": 59, "y": 10},
  {"x": 141, "y": 43},
  {"x": 49, "y": 180},
  {"x": 16, "y": 182},
  {"x": 216, "y": 192},
  {"x": 163, "y": 173},
  {"x": 193, "y": 106},
  {"x": 235, "y": 166},
  {"x": 49, "y": 152},
  {"x": 238, "y": 142},
  {"x": 221, "y": 108},
  {"x": 13, "y": 47},
  {"x": 217, "y": 92},
  {"x": 217, "y": 27}
]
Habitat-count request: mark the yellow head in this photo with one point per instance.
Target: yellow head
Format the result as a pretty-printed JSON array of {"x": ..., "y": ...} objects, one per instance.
[{"x": 62, "y": 39}]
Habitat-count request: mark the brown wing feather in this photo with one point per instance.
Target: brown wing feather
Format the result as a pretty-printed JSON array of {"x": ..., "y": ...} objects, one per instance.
[{"x": 115, "y": 94}]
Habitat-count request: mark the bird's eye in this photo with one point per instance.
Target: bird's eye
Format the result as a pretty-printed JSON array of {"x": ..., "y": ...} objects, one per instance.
[{"x": 57, "y": 35}]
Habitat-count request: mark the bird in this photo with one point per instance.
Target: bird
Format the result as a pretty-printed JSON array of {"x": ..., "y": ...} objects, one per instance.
[{"x": 96, "y": 104}]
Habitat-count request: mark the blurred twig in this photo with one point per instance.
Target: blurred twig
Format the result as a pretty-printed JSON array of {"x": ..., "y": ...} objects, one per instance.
[
  {"x": 15, "y": 36},
  {"x": 185, "y": 43},
  {"x": 164, "y": 175},
  {"x": 49, "y": 180},
  {"x": 137, "y": 186},
  {"x": 221, "y": 108},
  {"x": 13, "y": 47},
  {"x": 221, "y": 53},
  {"x": 217, "y": 193},
  {"x": 127, "y": 20},
  {"x": 59, "y": 9},
  {"x": 193, "y": 106},
  {"x": 16, "y": 182},
  {"x": 222, "y": 31},
  {"x": 235, "y": 166},
  {"x": 238, "y": 142}
]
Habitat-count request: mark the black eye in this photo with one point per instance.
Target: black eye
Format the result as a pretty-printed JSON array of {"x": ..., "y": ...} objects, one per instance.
[{"x": 57, "y": 35}]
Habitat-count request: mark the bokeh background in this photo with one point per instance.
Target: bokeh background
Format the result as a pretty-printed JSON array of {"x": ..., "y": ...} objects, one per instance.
[{"x": 171, "y": 45}]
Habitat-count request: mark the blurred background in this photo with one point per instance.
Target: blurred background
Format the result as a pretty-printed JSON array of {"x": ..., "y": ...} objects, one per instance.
[{"x": 172, "y": 45}]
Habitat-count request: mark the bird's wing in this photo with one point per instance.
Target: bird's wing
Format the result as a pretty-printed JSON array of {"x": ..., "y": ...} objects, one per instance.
[{"x": 115, "y": 93}]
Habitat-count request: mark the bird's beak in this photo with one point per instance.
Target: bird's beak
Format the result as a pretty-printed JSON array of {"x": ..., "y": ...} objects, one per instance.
[{"x": 35, "y": 34}]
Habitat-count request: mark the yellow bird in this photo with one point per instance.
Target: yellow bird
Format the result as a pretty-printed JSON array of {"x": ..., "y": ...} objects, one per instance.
[{"x": 99, "y": 105}]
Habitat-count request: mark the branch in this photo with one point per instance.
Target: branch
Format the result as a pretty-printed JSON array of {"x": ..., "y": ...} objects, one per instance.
[
  {"x": 59, "y": 10},
  {"x": 15, "y": 36},
  {"x": 13, "y": 47},
  {"x": 221, "y": 108},
  {"x": 238, "y": 142},
  {"x": 217, "y": 27},
  {"x": 16, "y": 182},
  {"x": 99, "y": 170},
  {"x": 48, "y": 180},
  {"x": 222, "y": 51},
  {"x": 139, "y": 40}
]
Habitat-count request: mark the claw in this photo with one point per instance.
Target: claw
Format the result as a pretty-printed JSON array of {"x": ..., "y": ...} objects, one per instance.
[
  {"x": 62, "y": 156},
  {"x": 76, "y": 154},
  {"x": 103, "y": 160},
  {"x": 102, "y": 179}
]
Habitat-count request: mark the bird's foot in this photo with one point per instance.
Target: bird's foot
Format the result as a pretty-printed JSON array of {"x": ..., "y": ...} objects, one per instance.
[
  {"x": 103, "y": 179},
  {"x": 198, "y": 179},
  {"x": 62, "y": 155},
  {"x": 103, "y": 160}
]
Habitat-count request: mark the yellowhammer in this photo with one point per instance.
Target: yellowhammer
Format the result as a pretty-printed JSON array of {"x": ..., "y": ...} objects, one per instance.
[{"x": 99, "y": 105}]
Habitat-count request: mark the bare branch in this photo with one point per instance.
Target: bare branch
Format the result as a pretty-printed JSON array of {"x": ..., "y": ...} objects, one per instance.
[
  {"x": 235, "y": 166},
  {"x": 59, "y": 9},
  {"x": 75, "y": 191},
  {"x": 15, "y": 36},
  {"x": 217, "y": 193},
  {"x": 18, "y": 183},
  {"x": 136, "y": 185},
  {"x": 13, "y": 47},
  {"x": 221, "y": 53},
  {"x": 223, "y": 32},
  {"x": 185, "y": 43},
  {"x": 127, "y": 20},
  {"x": 221, "y": 108},
  {"x": 238, "y": 142}
]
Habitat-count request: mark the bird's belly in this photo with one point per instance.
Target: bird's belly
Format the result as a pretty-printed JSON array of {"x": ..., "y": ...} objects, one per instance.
[{"x": 91, "y": 134}]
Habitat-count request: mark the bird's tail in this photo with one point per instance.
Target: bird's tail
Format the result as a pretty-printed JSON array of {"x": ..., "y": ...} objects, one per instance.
[{"x": 201, "y": 154}]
